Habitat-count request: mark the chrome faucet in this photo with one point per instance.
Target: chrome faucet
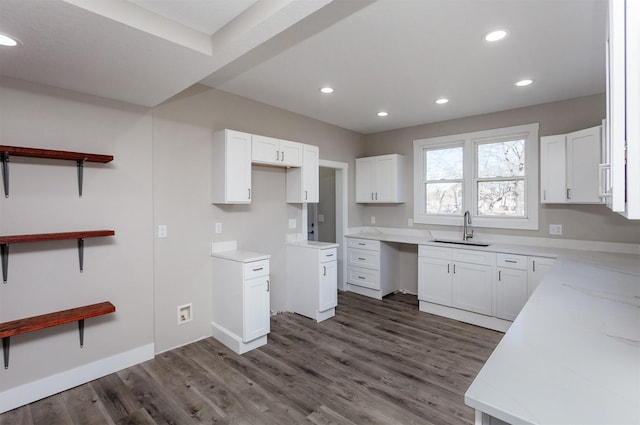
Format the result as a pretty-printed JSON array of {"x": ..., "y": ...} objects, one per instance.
[{"x": 467, "y": 233}]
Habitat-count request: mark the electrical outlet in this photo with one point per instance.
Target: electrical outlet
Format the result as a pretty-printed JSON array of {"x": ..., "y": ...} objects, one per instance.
[
  {"x": 218, "y": 228},
  {"x": 410, "y": 222},
  {"x": 555, "y": 229},
  {"x": 292, "y": 223},
  {"x": 162, "y": 231},
  {"x": 373, "y": 219},
  {"x": 185, "y": 313},
  {"x": 320, "y": 218}
]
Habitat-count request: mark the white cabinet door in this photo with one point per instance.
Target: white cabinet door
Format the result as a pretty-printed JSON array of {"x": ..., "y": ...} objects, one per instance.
[
  {"x": 537, "y": 268},
  {"x": 303, "y": 182},
  {"x": 583, "y": 157},
  {"x": 386, "y": 179},
  {"x": 365, "y": 180},
  {"x": 328, "y": 289},
  {"x": 272, "y": 151},
  {"x": 378, "y": 179},
  {"x": 265, "y": 150},
  {"x": 290, "y": 153},
  {"x": 256, "y": 308},
  {"x": 553, "y": 169},
  {"x": 511, "y": 293},
  {"x": 434, "y": 280},
  {"x": 231, "y": 168},
  {"x": 473, "y": 287}
]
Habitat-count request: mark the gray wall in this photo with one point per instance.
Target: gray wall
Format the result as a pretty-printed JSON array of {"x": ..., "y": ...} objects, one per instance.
[
  {"x": 182, "y": 130},
  {"x": 44, "y": 277},
  {"x": 594, "y": 222}
]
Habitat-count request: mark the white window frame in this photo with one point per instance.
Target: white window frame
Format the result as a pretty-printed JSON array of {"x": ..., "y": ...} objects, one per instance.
[{"x": 529, "y": 132}]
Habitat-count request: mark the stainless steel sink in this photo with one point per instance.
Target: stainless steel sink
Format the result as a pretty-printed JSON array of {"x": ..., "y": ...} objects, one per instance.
[{"x": 460, "y": 242}]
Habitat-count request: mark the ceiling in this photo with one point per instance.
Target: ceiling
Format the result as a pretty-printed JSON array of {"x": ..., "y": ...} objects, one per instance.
[{"x": 393, "y": 55}]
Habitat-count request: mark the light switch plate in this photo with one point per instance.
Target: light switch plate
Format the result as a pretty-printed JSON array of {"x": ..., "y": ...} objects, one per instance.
[
  {"x": 410, "y": 222},
  {"x": 218, "y": 228},
  {"x": 320, "y": 218},
  {"x": 373, "y": 219},
  {"x": 292, "y": 223},
  {"x": 162, "y": 231}
]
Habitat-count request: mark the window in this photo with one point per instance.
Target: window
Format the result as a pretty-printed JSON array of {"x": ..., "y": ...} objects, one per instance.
[{"x": 492, "y": 174}]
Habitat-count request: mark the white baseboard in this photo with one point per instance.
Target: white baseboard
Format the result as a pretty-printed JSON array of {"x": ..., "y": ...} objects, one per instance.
[
  {"x": 33, "y": 391},
  {"x": 234, "y": 342}
]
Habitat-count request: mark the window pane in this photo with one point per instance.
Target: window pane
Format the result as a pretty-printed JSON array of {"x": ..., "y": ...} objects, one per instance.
[
  {"x": 502, "y": 159},
  {"x": 444, "y": 164},
  {"x": 505, "y": 198},
  {"x": 443, "y": 198}
]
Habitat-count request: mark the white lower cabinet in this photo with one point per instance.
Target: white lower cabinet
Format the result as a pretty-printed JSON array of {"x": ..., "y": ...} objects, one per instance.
[
  {"x": 372, "y": 267},
  {"x": 312, "y": 278},
  {"x": 456, "y": 278},
  {"x": 472, "y": 287},
  {"x": 477, "y": 286},
  {"x": 511, "y": 285},
  {"x": 241, "y": 292},
  {"x": 536, "y": 270}
]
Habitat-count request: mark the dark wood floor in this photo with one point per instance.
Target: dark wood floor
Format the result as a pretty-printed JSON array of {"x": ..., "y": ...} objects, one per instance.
[{"x": 375, "y": 362}]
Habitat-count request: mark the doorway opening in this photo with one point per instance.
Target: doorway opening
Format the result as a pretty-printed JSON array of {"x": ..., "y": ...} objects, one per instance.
[{"x": 327, "y": 220}]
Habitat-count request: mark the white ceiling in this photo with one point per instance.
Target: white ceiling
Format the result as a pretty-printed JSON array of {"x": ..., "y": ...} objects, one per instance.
[{"x": 393, "y": 55}]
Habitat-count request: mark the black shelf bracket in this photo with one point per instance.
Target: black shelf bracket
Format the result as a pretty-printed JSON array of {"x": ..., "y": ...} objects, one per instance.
[
  {"x": 81, "y": 253},
  {"x": 81, "y": 332},
  {"x": 4, "y": 157},
  {"x": 4, "y": 253},
  {"x": 5, "y": 351},
  {"x": 80, "y": 164}
]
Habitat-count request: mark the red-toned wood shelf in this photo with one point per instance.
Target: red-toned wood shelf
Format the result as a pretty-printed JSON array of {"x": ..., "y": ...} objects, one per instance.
[
  {"x": 5, "y": 241},
  {"x": 55, "y": 154},
  {"x": 34, "y": 323},
  {"x": 39, "y": 237},
  {"x": 79, "y": 157}
]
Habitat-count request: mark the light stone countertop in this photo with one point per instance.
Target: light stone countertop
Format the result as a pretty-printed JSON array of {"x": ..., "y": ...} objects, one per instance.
[
  {"x": 241, "y": 256},
  {"x": 313, "y": 244},
  {"x": 572, "y": 356}
]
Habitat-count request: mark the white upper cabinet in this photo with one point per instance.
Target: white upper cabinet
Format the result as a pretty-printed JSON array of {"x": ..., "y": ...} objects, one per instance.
[
  {"x": 569, "y": 167},
  {"x": 231, "y": 168},
  {"x": 379, "y": 179},
  {"x": 621, "y": 162},
  {"x": 271, "y": 151},
  {"x": 303, "y": 182},
  {"x": 553, "y": 169}
]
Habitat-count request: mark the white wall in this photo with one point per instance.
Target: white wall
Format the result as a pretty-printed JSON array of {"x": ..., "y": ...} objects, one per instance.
[{"x": 44, "y": 277}]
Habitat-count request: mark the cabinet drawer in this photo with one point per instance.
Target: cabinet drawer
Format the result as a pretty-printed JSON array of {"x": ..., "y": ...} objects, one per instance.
[
  {"x": 475, "y": 257},
  {"x": 363, "y": 244},
  {"x": 363, "y": 277},
  {"x": 363, "y": 258},
  {"x": 328, "y": 255},
  {"x": 511, "y": 261},
  {"x": 434, "y": 252},
  {"x": 256, "y": 269}
]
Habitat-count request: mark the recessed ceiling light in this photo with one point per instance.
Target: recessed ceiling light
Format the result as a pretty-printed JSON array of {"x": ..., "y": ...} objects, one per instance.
[
  {"x": 523, "y": 83},
  {"x": 326, "y": 90},
  {"x": 383, "y": 114},
  {"x": 442, "y": 101},
  {"x": 495, "y": 35},
  {"x": 8, "y": 41}
]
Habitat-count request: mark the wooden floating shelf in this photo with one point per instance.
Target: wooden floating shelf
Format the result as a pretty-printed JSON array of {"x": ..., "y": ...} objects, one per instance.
[
  {"x": 30, "y": 324},
  {"x": 5, "y": 241},
  {"x": 79, "y": 157}
]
